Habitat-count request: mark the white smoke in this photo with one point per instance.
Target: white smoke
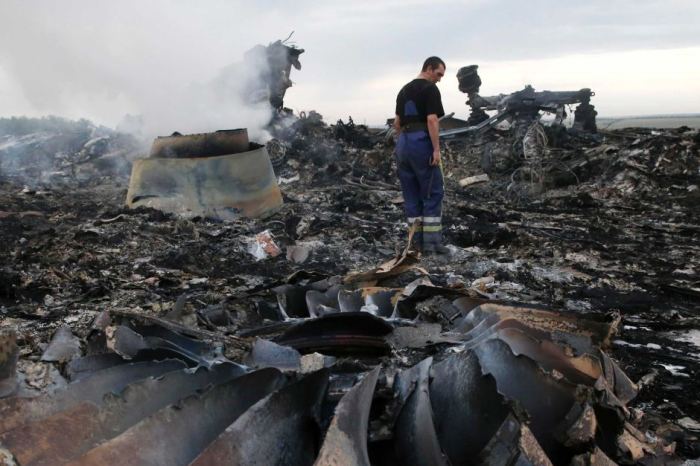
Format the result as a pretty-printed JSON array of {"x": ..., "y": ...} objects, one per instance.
[{"x": 153, "y": 62}]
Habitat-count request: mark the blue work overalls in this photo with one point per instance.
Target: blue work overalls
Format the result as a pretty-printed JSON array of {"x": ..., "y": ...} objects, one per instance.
[{"x": 422, "y": 187}]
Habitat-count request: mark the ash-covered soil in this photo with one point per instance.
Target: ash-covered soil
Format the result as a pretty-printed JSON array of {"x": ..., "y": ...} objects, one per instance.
[{"x": 585, "y": 224}]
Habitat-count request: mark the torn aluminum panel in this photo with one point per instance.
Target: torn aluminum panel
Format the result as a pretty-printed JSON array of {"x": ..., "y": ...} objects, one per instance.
[
  {"x": 71, "y": 432},
  {"x": 514, "y": 444},
  {"x": 591, "y": 330},
  {"x": 16, "y": 411},
  {"x": 282, "y": 428},
  {"x": 206, "y": 184},
  {"x": 467, "y": 408},
  {"x": 546, "y": 399},
  {"x": 128, "y": 343},
  {"x": 343, "y": 333},
  {"x": 547, "y": 343},
  {"x": 8, "y": 362},
  {"x": 176, "y": 434},
  {"x": 63, "y": 347},
  {"x": 346, "y": 439},
  {"x": 266, "y": 353},
  {"x": 415, "y": 438},
  {"x": 80, "y": 368}
]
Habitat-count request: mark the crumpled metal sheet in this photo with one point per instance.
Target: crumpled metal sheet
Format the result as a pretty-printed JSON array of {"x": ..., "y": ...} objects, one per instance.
[
  {"x": 71, "y": 432},
  {"x": 514, "y": 443},
  {"x": 415, "y": 438},
  {"x": 176, "y": 434},
  {"x": 85, "y": 366},
  {"x": 282, "y": 428},
  {"x": 580, "y": 332},
  {"x": 546, "y": 399},
  {"x": 266, "y": 353},
  {"x": 346, "y": 439},
  {"x": 467, "y": 408},
  {"x": 572, "y": 354},
  {"x": 129, "y": 342},
  {"x": 223, "y": 187},
  {"x": 63, "y": 347},
  {"x": 17, "y": 411}
]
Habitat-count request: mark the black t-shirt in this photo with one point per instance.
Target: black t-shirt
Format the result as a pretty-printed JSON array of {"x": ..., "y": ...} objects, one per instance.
[{"x": 417, "y": 100}]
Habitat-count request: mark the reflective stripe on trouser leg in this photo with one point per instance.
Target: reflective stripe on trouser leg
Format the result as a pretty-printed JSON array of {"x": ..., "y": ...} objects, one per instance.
[
  {"x": 432, "y": 210},
  {"x": 432, "y": 231}
]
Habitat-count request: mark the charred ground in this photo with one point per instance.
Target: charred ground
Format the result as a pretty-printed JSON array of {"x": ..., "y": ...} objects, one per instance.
[{"x": 585, "y": 224}]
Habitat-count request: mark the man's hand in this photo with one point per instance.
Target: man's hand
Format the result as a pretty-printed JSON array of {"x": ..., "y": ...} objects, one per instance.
[
  {"x": 436, "y": 158},
  {"x": 434, "y": 132}
]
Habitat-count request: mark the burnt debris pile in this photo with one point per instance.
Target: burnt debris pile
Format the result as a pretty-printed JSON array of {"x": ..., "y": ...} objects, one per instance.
[
  {"x": 562, "y": 328},
  {"x": 337, "y": 384},
  {"x": 54, "y": 151}
]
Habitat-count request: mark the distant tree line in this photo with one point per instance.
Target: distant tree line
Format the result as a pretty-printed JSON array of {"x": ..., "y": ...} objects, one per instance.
[{"x": 19, "y": 126}]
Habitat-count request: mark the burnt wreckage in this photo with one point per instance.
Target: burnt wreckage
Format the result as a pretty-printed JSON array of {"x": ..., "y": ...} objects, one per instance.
[
  {"x": 157, "y": 333},
  {"x": 522, "y": 108}
]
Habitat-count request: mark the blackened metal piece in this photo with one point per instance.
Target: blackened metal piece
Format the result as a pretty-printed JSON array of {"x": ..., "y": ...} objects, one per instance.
[
  {"x": 223, "y": 187},
  {"x": 321, "y": 303},
  {"x": 222, "y": 142},
  {"x": 412, "y": 295},
  {"x": 617, "y": 380},
  {"x": 17, "y": 411},
  {"x": 266, "y": 353},
  {"x": 346, "y": 332},
  {"x": 594, "y": 458},
  {"x": 68, "y": 434},
  {"x": 375, "y": 300},
  {"x": 129, "y": 342},
  {"x": 282, "y": 428},
  {"x": 584, "y": 369},
  {"x": 579, "y": 426},
  {"x": 583, "y": 333},
  {"x": 415, "y": 438},
  {"x": 546, "y": 400},
  {"x": 176, "y": 434},
  {"x": 63, "y": 347},
  {"x": 291, "y": 300},
  {"x": 513, "y": 444},
  {"x": 467, "y": 408},
  {"x": 346, "y": 439},
  {"x": 350, "y": 300},
  {"x": 87, "y": 365}
]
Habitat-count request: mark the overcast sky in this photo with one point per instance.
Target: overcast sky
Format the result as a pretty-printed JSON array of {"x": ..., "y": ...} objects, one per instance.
[{"x": 103, "y": 59}]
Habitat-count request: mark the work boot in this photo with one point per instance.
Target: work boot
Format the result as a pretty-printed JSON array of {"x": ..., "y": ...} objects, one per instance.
[{"x": 435, "y": 249}]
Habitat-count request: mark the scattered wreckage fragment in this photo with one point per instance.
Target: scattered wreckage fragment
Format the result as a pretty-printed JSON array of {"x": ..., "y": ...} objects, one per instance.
[
  {"x": 345, "y": 441},
  {"x": 506, "y": 391},
  {"x": 218, "y": 175},
  {"x": 522, "y": 107}
]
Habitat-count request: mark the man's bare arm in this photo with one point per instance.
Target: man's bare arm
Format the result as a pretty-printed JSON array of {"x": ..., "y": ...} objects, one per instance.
[{"x": 434, "y": 132}]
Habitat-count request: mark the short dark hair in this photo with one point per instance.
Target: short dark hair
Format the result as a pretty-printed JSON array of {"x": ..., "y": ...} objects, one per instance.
[{"x": 432, "y": 63}]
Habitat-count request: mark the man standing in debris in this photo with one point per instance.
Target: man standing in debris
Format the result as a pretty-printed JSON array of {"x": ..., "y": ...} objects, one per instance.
[{"x": 418, "y": 110}]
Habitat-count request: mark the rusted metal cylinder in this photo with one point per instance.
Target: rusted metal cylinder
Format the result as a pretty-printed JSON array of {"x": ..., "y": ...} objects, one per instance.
[{"x": 222, "y": 142}]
